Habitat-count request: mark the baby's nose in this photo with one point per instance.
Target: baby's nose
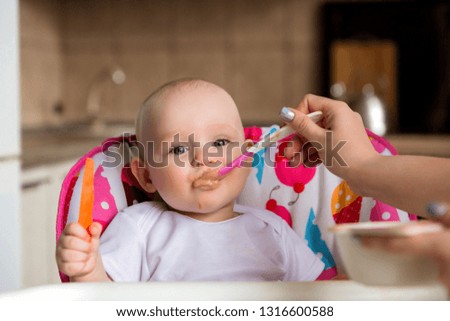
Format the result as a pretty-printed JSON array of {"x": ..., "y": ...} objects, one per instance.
[{"x": 206, "y": 159}]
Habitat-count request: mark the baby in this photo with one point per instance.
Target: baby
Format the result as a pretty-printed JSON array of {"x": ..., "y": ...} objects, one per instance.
[{"x": 188, "y": 129}]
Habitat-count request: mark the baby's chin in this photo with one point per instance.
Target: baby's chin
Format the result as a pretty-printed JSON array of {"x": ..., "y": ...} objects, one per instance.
[{"x": 207, "y": 209}]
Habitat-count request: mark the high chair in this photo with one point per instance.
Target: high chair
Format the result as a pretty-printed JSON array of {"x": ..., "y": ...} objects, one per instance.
[{"x": 310, "y": 200}]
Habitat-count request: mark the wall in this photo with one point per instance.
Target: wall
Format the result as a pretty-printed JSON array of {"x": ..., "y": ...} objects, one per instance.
[
  {"x": 265, "y": 53},
  {"x": 41, "y": 62}
]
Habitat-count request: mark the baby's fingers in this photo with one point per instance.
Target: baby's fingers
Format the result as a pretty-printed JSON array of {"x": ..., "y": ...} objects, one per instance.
[
  {"x": 67, "y": 256},
  {"x": 74, "y": 243},
  {"x": 96, "y": 230},
  {"x": 75, "y": 229},
  {"x": 73, "y": 268}
]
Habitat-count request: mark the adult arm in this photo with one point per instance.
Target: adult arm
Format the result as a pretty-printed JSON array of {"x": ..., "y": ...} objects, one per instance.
[{"x": 407, "y": 182}]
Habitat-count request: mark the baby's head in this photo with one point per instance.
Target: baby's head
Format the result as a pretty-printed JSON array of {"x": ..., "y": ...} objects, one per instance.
[{"x": 189, "y": 129}]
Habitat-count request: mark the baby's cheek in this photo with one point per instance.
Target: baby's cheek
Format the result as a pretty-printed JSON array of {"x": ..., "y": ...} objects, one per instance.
[
  {"x": 239, "y": 178},
  {"x": 234, "y": 150},
  {"x": 167, "y": 179}
]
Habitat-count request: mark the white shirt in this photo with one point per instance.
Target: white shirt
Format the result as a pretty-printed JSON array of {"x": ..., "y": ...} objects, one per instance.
[{"x": 147, "y": 242}]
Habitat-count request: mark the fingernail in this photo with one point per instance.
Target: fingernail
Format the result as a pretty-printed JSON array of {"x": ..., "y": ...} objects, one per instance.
[
  {"x": 437, "y": 210},
  {"x": 287, "y": 114}
]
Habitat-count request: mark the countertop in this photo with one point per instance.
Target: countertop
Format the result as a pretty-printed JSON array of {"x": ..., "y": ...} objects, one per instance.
[
  {"x": 218, "y": 291},
  {"x": 55, "y": 145},
  {"x": 414, "y": 144}
]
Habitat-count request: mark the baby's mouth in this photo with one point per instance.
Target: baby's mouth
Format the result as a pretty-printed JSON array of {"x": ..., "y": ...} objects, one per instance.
[{"x": 207, "y": 180}]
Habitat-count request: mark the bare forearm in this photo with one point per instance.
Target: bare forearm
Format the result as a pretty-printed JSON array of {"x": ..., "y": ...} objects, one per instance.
[{"x": 406, "y": 182}]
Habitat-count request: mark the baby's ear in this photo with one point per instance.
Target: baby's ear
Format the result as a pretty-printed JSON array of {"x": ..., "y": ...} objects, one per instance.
[{"x": 142, "y": 174}]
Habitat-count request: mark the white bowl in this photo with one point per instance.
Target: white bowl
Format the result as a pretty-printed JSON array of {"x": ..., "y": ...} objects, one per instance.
[{"x": 379, "y": 267}]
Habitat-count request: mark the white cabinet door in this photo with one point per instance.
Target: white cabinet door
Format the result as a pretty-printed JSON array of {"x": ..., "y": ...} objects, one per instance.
[
  {"x": 57, "y": 174},
  {"x": 40, "y": 196},
  {"x": 34, "y": 231},
  {"x": 10, "y": 242},
  {"x": 9, "y": 146}
]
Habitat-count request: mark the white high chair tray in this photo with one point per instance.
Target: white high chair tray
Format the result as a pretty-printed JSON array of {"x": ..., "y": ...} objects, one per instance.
[{"x": 234, "y": 291}]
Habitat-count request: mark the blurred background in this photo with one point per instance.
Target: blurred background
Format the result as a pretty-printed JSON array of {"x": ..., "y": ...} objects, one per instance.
[
  {"x": 267, "y": 54},
  {"x": 85, "y": 67}
]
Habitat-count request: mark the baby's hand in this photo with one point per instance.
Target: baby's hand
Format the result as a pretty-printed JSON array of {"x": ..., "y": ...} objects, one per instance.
[{"x": 77, "y": 253}]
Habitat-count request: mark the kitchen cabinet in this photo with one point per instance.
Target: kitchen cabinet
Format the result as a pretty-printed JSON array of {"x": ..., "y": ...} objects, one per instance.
[
  {"x": 40, "y": 194},
  {"x": 426, "y": 145},
  {"x": 355, "y": 64},
  {"x": 10, "y": 242}
]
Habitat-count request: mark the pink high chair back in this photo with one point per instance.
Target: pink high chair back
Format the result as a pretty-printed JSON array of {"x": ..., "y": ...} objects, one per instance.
[
  {"x": 310, "y": 200},
  {"x": 115, "y": 188}
]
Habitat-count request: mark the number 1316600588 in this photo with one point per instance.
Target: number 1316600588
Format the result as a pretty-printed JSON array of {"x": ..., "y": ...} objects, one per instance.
[{"x": 299, "y": 311}]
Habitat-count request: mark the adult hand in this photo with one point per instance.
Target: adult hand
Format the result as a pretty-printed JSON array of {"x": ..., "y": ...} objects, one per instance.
[
  {"x": 339, "y": 140},
  {"x": 439, "y": 212},
  {"x": 432, "y": 245}
]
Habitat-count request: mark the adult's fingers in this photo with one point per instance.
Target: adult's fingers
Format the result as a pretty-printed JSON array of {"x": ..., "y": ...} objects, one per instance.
[
  {"x": 431, "y": 245},
  {"x": 439, "y": 212},
  {"x": 302, "y": 124},
  {"x": 311, "y": 103},
  {"x": 297, "y": 119}
]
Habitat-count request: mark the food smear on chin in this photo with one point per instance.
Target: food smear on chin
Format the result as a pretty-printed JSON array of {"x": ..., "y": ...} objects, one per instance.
[{"x": 208, "y": 179}]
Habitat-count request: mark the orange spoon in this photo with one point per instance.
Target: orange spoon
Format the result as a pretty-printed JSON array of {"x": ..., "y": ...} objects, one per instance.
[{"x": 87, "y": 195}]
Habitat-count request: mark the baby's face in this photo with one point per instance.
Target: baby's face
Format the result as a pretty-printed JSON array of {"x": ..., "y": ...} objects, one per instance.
[{"x": 196, "y": 131}]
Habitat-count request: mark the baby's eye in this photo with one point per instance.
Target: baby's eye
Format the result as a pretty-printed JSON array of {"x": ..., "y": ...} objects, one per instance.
[
  {"x": 221, "y": 142},
  {"x": 178, "y": 150}
]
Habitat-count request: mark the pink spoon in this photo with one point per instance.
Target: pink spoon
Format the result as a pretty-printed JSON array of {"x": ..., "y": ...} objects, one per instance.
[{"x": 281, "y": 133}]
